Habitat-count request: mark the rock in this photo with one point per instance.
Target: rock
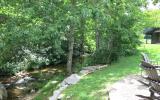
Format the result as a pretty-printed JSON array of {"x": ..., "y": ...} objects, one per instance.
[
  {"x": 28, "y": 78},
  {"x": 57, "y": 93},
  {"x": 33, "y": 91},
  {"x": 7, "y": 85},
  {"x": 100, "y": 67},
  {"x": 90, "y": 68},
  {"x": 24, "y": 80},
  {"x": 85, "y": 72},
  {"x": 93, "y": 68},
  {"x": 63, "y": 84},
  {"x": 20, "y": 81},
  {"x": 72, "y": 79},
  {"x": 3, "y": 92}
]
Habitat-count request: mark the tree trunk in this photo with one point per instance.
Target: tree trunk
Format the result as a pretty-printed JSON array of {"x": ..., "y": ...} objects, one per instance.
[
  {"x": 82, "y": 35},
  {"x": 97, "y": 39},
  {"x": 70, "y": 49},
  {"x": 109, "y": 48},
  {"x": 82, "y": 43},
  {"x": 70, "y": 42}
]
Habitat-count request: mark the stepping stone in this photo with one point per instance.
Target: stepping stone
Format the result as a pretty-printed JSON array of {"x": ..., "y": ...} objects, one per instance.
[
  {"x": 85, "y": 72},
  {"x": 72, "y": 79}
]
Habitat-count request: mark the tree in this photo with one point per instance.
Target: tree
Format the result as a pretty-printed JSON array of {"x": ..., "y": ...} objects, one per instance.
[{"x": 43, "y": 32}]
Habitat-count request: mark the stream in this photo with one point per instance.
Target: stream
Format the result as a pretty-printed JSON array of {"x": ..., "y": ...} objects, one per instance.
[{"x": 28, "y": 90}]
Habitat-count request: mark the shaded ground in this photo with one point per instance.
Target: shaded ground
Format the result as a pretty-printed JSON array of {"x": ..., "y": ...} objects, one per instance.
[
  {"x": 129, "y": 89},
  {"x": 31, "y": 89}
]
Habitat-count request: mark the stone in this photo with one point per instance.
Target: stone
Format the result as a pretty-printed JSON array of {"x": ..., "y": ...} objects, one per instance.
[
  {"x": 3, "y": 92},
  {"x": 57, "y": 93},
  {"x": 100, "y": 67},
  {"x": 85, "y": 72},
  {"x": 33, "y": 91},
  {"x": 63, "y": 84},
  {"x": 28, "y": 78},
  {"x": 90, "y": 68},
  {"x": 93, "y": 68},
  {"x": 24, "y": 80},
  {"x": 72, "y": 79},
  {"x": 20, "y": 81}
]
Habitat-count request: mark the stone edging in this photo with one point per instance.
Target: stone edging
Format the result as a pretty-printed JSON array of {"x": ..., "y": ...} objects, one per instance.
[{"x": 73, "y": 79}]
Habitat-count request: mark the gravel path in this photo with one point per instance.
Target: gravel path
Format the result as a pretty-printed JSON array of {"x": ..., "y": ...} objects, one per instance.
[{"x": 129, "y": 89}]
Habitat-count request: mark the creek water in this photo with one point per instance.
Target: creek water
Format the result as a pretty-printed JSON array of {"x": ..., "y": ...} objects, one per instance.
[{"x": 26, "y": 92}]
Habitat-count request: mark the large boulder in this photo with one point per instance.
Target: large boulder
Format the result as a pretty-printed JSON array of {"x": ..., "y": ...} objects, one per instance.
[{"x": 3, "y": 92}]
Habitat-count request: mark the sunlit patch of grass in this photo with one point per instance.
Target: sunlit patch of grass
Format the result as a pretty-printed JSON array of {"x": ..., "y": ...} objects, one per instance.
[
  {"x": 152, "y": 50},
  {"x": 92, "y": 87},
  {"x": 95, "y": 85}
]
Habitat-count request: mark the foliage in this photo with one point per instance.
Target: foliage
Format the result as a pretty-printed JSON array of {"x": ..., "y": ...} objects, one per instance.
[
  {"x": 83, "y": 61},
  {"x": 152, "y": 18},
  {"x": 122, "y": 31},
  {"x": 37, "y": 32}
]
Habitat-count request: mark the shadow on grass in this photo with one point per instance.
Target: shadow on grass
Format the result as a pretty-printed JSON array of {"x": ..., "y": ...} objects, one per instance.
[{"x": 94, "y": 86}]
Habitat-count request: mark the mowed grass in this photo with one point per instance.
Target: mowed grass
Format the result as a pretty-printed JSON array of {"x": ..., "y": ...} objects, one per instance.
[
  {"x": 153, "y": 51},
  {"x": 94, "y": 86}
]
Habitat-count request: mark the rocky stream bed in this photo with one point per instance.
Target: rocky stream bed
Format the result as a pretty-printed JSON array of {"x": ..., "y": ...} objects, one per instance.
[{"x": 25, "y": 85}]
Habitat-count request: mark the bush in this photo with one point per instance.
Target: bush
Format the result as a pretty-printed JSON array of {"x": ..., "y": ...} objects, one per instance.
[
  {"x": 104, "y": 56},
  {"x": 8, "y": 69},
  {"x": 83, "y": 61}
]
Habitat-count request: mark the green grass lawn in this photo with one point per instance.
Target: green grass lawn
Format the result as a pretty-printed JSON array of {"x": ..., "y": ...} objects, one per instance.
[
  {"x": 94, "y": 86},
  {"x": 153, "y": 50}
]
